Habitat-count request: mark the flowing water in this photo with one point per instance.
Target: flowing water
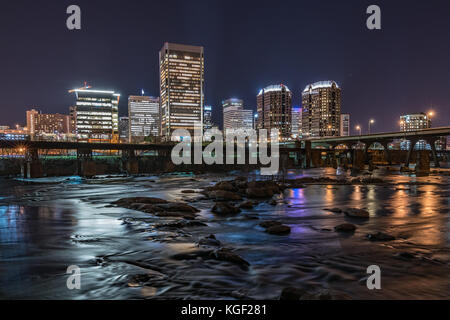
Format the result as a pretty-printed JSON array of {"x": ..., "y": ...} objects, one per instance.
[{"x": 47, "y": 227}]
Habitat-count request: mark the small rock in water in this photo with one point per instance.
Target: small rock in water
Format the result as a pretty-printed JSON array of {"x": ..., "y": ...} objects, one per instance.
[
  {"x": 188, "y": 191},
  {"x": 229, "y": 256},
  {"x": 334, "y": 210},
  {"x": 268, "y": 224},
  {"x": 345, "y": 227},
  {"x": 291, "y": 293},
  {"x": 380, "y": 236},
  {"x": 246, "y": 205},
  {"x": 225, "y": 209},
  {"x": 279, "y": 230},
  {"x": 357, "y": 213},
  {"x": 210, "y": 241}
]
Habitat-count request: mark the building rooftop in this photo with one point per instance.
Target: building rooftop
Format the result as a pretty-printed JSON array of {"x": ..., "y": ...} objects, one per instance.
[
  {"x": 272, "y": 88},
  {"x": 320, "y": 84}
]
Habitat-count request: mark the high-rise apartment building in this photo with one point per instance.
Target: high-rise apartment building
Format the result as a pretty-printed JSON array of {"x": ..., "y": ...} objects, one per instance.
[
  {"x": 321, "y": 110},
  {"x": 414, "y": 122},
  {"x": 181, "y": 88},
  {"x": 345, "y": 125},
  {"x": 47, "y": 124},
  {"x": 235, "y": 117},
  {"x": 207, "y": 118},
  {"x": 96, "y": 115},
  {"x": 124, "y": 129},
  {"x": 143, "y": 113},
  {"x": 296, "y": 122},
  {"x": 274, "y": 106}
]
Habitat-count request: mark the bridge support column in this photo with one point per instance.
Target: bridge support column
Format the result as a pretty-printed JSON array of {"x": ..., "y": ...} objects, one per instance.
[
  {"x": 410, "y": 150},
  {"x": 432, "y": 143},
  {"x": 32, "y": 167},
  {"x": 85, "y": 165},
  {"x": 387, "y": 152},
  {"x": 307, "y": 161},
  {"x": 130, "y": 161}
]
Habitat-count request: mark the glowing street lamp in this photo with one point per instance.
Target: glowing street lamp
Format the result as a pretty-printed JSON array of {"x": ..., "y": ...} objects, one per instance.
[
  {"x": 430, "y": 115},
  {"x": 359, "y": 129},
  {"x": 371, "y": 121}
]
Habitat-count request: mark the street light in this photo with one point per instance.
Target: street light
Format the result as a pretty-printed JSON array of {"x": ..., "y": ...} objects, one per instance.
[
  {"x": 430, "y": 115},
  {"x": 371, "y": 121},
  {"x": 358, "y": 128}
]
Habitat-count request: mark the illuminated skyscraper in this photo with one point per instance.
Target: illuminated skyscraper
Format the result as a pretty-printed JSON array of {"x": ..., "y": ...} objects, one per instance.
[
  {"x": 274, "y": 106},
  {"x": 96, "y": 115},
  {"x": 321, "y": 115},
  {"x": 414, "y": 122},
  {"x": 181, "y": 88},
  {"x": 345, "y": 125},
  {"x": 143, "y": 113},
  {"x": 47, "y": 124},
  {"x": 235, "y": 117},
  {"x": 207, "y": 118},
  {"x": 124, "y": 129},
  {"x": 296, "y": 122}
]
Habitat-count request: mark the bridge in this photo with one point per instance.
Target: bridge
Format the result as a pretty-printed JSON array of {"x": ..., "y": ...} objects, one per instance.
[
  {"x": 429, "y": 135},
  {"x": 304, "y": 153}
]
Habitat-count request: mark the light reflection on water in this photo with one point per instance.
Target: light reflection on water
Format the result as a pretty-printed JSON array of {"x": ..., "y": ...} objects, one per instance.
[{"x": 46, "y": 228}]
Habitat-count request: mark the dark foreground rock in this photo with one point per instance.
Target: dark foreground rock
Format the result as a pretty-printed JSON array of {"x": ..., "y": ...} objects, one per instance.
[
  {"x": 224, "y": 208},
  {"x": 210, "y": 241},
  {"x": 380, "y": 236},
  {"x": 291, "y": 293},
  {"x": 222, "y": 254},
  {"x": 268, "y": 224},
  {"x": 246, "y": 205},
  {"x": 142, "y": 200},
  {"x": 223, "y": 195},
  {"x": 279, "y": 230},
  {"x": 345, "y": 227},
  {"x": 357, "y": 213},
  {"x": 334, "y": 210}
]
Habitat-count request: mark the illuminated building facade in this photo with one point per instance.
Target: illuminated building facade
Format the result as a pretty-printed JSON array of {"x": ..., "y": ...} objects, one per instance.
[
  {"x": 143, "y": 113},
  {"x": 181, "y": 88},
  {"x": 235, "y": 117},
  {"x": 414, "y": 122},
  {"x": 296, "y": 122},
  {"x": 95, "y": 115},
  {"x": 124, "y": 129},
  {"x": 274, "y": 106},
  {"x": 345, "y": 125},
  {"x": 321, "y": 110},
  {"x": 47, "y": 124},
  {"x": 207, "y": 118}
]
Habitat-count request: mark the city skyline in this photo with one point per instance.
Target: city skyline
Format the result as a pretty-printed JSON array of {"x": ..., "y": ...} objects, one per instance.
[{"x": 387, "y": 83}]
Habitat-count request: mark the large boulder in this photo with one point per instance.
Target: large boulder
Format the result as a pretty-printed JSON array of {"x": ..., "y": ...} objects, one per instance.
[
  {"x": 345, "y": 227},
  {"x": 223, "y": 195}
]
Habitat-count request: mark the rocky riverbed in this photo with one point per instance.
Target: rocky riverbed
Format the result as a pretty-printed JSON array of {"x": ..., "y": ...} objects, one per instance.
[{"x": 309, "y": 235}]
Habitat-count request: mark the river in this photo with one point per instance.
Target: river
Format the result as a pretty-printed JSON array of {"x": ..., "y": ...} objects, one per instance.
[{"x": 47, "y": 227}]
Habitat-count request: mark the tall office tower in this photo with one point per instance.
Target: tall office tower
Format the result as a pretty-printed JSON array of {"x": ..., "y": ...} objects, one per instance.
[
  {"x": 207, "y": 118},
  {"x": 296, "y": 122},
  {"x": 235, "y": 117},
  {"x": 321, "y": 115},
  {"x": 181, "y": 69},
  {"x": 414, "y": 122},
  {"x": 47, "y": 124},
  {"x": 143, "y": 112},
  {"x": 274, "y": 106},
  {"x": 96, "y": 115},
  {"x": 124, "y": 129},
  {"x": 345, "y": 125}
]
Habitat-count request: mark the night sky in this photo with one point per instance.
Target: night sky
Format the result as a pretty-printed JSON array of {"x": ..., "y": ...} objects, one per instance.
[{"x": 403, "y": 68}]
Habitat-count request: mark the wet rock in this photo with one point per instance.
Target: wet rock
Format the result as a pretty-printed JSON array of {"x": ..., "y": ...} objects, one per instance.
[
  {"x": 273, "y": 202},
  {"x": 279, "y": 230},
  {"x": 188, "y": 191},
  {"x": 357, "y": 213},
  {"x": 210, "y": 241},
  {"x": 139, "y": 200},
  {"x": 262, "y": 189},
  {"x": 268, "y": 224},
  {"x": 291, "y": 293},
  {"x": 224, "y": 254},
  {"x": 222, "y": 195},
  {"x": 334, "y": 210},
  {"x": 223, "y": 185},
  {"x": 225, "y": 209},
  {"x": 345, "y": 227},
  {"x": 246, "y": 205},
  {"x": 181, "y": 224},
  {"x": 380, "y": 236}
]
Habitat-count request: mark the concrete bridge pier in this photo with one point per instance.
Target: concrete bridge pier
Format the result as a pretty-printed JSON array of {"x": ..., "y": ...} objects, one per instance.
[
  {"x": 387, "y": 152},
  {"x": 85, "y": 163},
  {"x": 410, "y": 150},
  {"x": 308, "y": 151},
  {"x": 130, "y": 161},
  {"x": 32, "y": 166},
  {"x": 432, "y": 143}
]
